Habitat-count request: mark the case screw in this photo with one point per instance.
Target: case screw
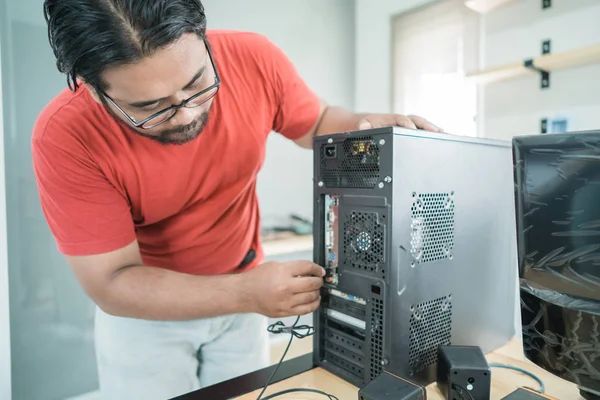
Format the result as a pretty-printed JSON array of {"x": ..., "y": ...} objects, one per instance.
[
  {"x": 385, "y": 361},
  {"x": 381, "y": 185},
  {"x": 330, "y": 140},
  {"x": 387, "y": 179},
  {"x": 381, "y": 142},
  {"x": 320, "y": 183}
]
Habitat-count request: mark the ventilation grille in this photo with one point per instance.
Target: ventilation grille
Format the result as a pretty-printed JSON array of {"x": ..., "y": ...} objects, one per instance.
[
  {"x": 363, "y": 241},
  {"x": 430, "y": 327},
  {"x": 356, "y": 165},
  {"x": 432, "y": 227},
  {"x": 350, "y": 355},
  {"x": 341, "y": 363},
  {"x": 345, "y": 340},
  {"x": 376, "y": 337}
]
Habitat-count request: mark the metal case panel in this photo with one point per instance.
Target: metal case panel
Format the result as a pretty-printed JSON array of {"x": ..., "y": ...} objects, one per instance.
[
  {"x": 425, "y": 239},
  {"x": 454, "y": 267}
]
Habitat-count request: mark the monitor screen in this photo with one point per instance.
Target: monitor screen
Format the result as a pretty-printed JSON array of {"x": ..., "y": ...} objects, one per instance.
[{"x": 558, "y": 211}]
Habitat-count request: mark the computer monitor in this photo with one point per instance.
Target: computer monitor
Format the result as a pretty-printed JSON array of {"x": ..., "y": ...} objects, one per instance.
[
  {"x": 557, "y": 197},
  {"x": 416, "y": 232}
]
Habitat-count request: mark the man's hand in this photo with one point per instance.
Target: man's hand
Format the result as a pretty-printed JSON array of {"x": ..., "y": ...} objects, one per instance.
[
  {"x": 383, "y": 120},
  {"x": 337, "y": 119},
  {"x": 283, "y": 289}
]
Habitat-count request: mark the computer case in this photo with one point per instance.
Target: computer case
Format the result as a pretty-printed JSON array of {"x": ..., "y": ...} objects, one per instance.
[
  {"x": 416, "y": 232},
  {"x": 557, "y": 202}
]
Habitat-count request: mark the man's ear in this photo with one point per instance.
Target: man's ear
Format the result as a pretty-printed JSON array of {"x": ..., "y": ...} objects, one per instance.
[{"x": 92, "y": 91}]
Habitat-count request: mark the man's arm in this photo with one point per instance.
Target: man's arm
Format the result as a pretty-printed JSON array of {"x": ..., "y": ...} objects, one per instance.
[
  {"x": 121, "y": 285},
  {"x": 335, "y": 119},
  {"x": 301, "y": 114}
]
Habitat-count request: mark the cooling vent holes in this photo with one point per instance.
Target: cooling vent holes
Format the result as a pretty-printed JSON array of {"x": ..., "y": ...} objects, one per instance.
[
  {"x": 376, "y": 333},
  {"x": 364, "y": 241},
  {"x": 432, "y": 227},
  {"x": 430, "y": 327}
]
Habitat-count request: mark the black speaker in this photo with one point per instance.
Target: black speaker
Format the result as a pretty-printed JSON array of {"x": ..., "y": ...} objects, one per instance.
[
  {"x": 387, "y": 386},
  {"x": 463, "y": 373},
  {"x": 527, "y": 394}
]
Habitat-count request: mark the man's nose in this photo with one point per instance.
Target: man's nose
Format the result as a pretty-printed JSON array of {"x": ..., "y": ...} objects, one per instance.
[{"x": 184, "y": 116}]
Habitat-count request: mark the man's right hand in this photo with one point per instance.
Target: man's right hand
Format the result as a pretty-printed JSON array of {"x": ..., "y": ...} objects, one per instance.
[{"x": 282, "y": 289}]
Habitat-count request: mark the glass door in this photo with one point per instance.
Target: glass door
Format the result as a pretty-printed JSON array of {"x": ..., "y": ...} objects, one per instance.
[{"x": 51, "y": 319}]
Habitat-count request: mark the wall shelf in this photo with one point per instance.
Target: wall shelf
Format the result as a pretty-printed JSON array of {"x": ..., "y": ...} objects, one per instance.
[{"x": 547, "y": 62}]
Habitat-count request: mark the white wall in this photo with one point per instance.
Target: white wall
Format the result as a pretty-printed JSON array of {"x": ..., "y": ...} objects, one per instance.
[
  {"x": 318, "y": 36},
  {"x": 515, "y": 32},
  {"x": 511, "y": 33},
  {"x": 373, "y": 56}
]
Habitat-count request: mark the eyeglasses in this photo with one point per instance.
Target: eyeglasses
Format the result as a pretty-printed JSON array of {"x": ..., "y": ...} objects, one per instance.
[{"x": 166, "y": 114}]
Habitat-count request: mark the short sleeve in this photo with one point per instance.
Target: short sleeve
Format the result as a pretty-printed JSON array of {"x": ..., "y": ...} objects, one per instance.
[
  {"x": 85, "y": 212},
  {"x": 298, "y": 107}
]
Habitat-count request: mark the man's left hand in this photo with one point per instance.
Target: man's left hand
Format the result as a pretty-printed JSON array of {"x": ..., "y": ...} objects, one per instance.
[
  {"x": 337, "y": 119},
  {"x": 406, "y": 121}
]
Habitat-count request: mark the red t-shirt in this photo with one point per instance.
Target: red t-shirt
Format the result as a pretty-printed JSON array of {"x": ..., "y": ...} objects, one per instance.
[{"x": 193, "y": 207}]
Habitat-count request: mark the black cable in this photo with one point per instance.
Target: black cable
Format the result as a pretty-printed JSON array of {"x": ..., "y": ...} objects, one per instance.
[
  {"x": 521, "y": 370},
  {"x": 273, "y": 329},
  {"x": 295, "y": 331},
  {"x": 278, "y": 327},
  {"x": 330, "y": 396}
]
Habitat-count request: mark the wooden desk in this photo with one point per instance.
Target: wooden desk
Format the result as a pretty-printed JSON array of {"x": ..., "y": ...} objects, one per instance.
[
  {"x": 287, "y": 244},
  {"x": 503, "y": 381},
  {"x": 297, "y": 372}
]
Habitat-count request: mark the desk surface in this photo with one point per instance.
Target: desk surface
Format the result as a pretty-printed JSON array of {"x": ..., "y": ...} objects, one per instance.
[
  {"x": 503, "y": 381},
  {"x": 287, "y": 244}
]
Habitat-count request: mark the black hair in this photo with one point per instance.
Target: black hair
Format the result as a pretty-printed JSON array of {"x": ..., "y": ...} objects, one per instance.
[{"x": 89, "y": 36}]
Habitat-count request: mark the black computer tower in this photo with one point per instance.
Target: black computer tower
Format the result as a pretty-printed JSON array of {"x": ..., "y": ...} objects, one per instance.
[{"x": 416, "y": 232}]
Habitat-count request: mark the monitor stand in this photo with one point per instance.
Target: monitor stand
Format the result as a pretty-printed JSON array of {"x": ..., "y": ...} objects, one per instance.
[{"x": 589, "y": 395}]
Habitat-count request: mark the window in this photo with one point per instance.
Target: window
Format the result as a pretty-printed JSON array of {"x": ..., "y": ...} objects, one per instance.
[{"x": 433, "y": 48}]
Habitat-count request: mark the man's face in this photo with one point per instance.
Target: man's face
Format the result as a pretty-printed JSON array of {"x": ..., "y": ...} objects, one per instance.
[{"x": 168, "y": 77}]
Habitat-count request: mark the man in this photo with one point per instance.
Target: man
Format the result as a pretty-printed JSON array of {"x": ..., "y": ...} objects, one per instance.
[{"x": 147, "y": 171}]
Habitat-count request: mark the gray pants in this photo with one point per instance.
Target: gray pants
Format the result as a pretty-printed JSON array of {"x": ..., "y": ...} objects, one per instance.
[{"x": 140, "y": 359}]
